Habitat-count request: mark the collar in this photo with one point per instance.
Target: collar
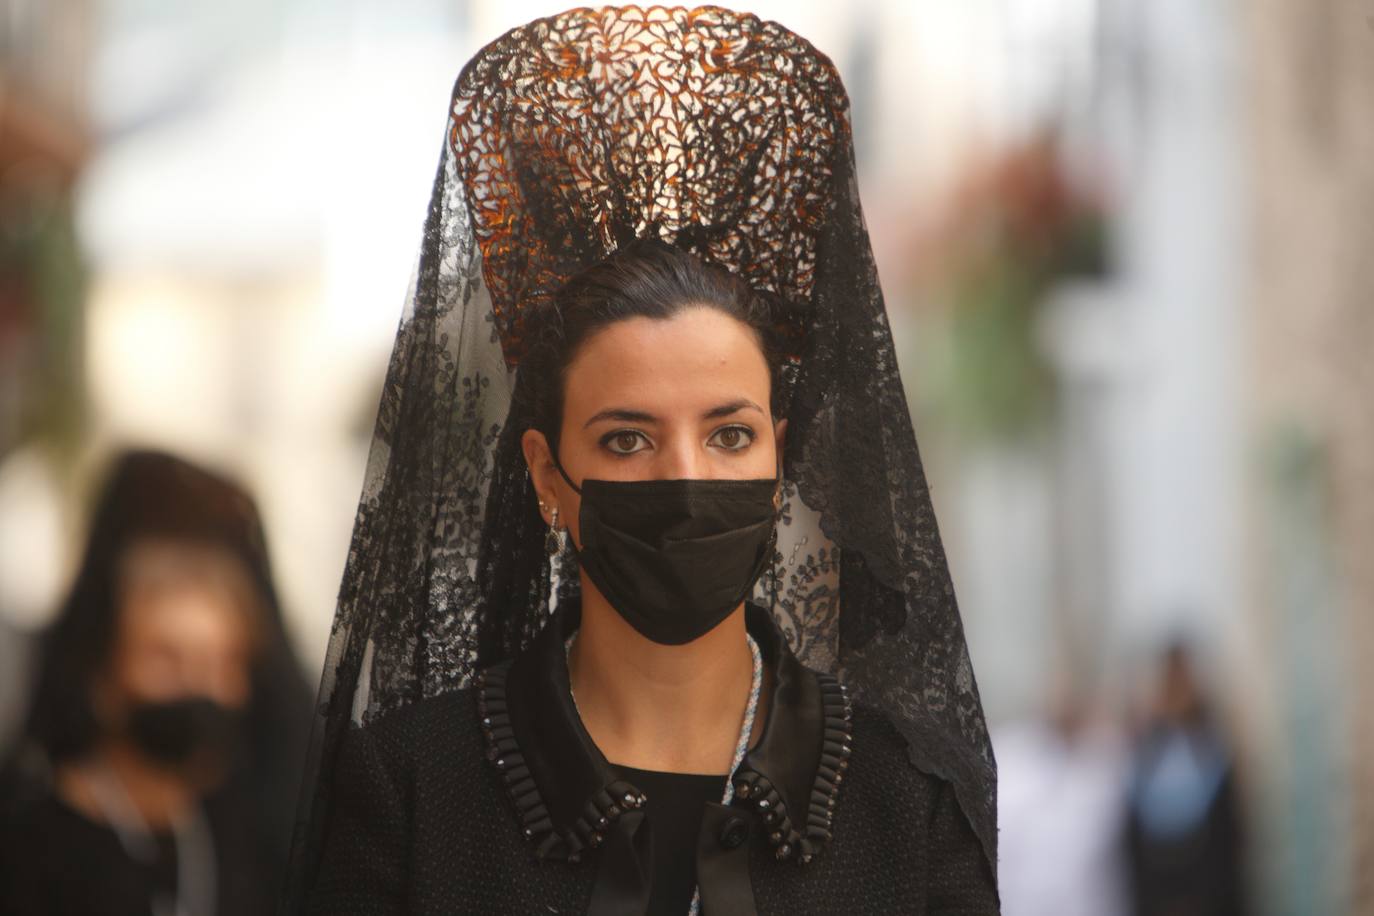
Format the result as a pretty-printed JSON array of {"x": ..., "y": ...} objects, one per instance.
[{"x": 567, "y": 797}]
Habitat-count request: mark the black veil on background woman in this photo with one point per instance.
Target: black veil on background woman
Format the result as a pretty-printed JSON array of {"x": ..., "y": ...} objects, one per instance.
[
  {"x": 723, "y": 135},
  {"x": 154, "y": 495}
]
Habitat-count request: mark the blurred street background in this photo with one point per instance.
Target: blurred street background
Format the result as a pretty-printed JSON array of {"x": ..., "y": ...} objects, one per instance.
[{"x": 1128, "y": 254}]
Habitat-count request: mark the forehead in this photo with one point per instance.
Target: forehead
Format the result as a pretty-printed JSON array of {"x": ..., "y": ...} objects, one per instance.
[
  {"x": 698, "y": 357},
  {"x": 186, "y": 618},
  {"x": 171, "y": 592}
]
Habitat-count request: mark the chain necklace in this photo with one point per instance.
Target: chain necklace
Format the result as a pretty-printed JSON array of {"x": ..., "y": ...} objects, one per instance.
[{"x": 741, "y": 745}]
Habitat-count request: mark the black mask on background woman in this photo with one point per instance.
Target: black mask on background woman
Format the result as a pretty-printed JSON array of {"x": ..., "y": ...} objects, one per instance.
[{"x": 175, "y": 732}]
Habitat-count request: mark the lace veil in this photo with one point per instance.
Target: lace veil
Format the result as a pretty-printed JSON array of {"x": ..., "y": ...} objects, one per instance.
[{"x": 724, "y": 135}]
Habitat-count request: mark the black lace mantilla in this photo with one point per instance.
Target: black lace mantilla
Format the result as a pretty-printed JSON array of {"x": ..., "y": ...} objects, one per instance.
[{"x": 727, "y": 136}]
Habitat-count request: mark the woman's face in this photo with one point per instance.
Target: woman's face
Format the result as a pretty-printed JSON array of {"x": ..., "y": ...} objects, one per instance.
[
  {"x": 180, "y": 634},
  {"x": 650, "y": 399}
]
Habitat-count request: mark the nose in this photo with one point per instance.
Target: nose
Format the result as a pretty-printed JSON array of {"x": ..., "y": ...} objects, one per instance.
[
  {"x": 682, "y": 458},
  {"x": 212, "y": 674}
]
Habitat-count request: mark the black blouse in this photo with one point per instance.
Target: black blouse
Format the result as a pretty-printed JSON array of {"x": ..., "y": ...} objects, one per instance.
[
  {"x": 675, "y": 805},
  {"x": 55, "y": 860}
]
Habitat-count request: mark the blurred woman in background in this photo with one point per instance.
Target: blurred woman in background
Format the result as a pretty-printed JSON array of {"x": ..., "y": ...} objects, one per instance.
[
  {"x": 1185, "y": 835},
  {"x": 162, "y": 747}
]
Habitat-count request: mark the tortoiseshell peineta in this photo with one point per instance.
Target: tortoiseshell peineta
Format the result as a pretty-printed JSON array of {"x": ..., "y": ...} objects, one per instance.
[{"x": 714, "y": 130}]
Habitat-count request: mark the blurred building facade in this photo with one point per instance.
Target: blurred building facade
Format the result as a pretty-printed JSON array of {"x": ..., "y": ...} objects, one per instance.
[
  {"x": 1207, "y": 469},
  {"x": 45, "y": 144},
  {"x": 45, "y": 50},
  {"x": 1310, "y": 379}
]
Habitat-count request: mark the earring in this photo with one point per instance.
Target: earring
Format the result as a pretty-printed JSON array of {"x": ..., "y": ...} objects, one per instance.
[{"x": 552, "y": 544}]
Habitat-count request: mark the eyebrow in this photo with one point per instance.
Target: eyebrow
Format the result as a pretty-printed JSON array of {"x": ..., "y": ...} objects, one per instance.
[
  {"x": 623, "y": 414},
  {"x": 724, "y": 410},
  {"x": 626, "y": 415}
]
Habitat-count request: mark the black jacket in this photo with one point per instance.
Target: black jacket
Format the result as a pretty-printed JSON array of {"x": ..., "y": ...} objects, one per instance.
[{"x": 494, "y": 800}]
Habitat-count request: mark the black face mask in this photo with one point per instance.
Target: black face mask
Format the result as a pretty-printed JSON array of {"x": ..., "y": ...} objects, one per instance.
[
  {"x": 174, "y": 731},
  {"x": 675, "y": 557}
]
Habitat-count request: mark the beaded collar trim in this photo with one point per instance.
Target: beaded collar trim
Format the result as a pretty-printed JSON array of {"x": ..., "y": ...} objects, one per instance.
[
  {"x": 600, "y": 810},
  {"x": 807, "y": 838},
  {"x": 791, "y": 777}
]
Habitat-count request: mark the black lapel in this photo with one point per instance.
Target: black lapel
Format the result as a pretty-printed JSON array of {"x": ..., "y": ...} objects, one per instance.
[{"x": 792, "y": 775}]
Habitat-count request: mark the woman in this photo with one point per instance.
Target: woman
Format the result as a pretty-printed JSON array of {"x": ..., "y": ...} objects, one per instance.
[
  {"x": 162, "y": 734},
  {"x": 644, "y": 513},
  {"x": 1183, "y": 829}
]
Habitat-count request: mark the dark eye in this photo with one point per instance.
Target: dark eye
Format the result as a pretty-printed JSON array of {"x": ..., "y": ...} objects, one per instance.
[
  {"x": 622, "y": 441},
  {"x": 734, "y": 438}
]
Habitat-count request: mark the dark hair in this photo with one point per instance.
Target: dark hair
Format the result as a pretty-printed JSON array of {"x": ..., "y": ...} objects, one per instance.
[{"x": 647, "y": 278}]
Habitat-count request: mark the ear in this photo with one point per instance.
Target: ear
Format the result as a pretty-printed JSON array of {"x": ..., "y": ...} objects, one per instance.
[{"x": 539, "y": 461}]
